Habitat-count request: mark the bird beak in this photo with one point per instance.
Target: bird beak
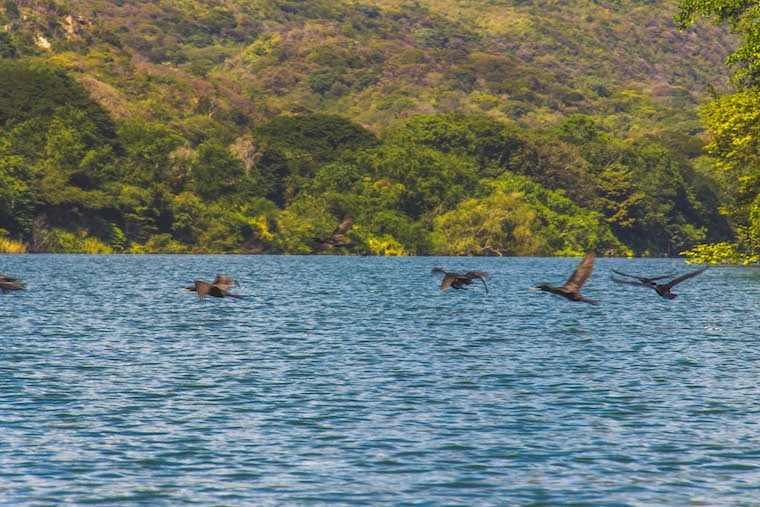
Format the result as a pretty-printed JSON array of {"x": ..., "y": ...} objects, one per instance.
[{"x": 535, "y": 288}]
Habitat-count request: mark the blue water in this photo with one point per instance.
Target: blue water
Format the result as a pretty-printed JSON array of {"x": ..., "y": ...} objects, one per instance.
[{"x": 357, "y": 381}]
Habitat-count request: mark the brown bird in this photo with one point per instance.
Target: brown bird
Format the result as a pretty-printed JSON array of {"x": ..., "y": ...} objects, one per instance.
[
  {"x": 337, "y": 239},
  {"x": 224, "y": 281},
  {"x": 663, "y": 289},
  {"x": 219, "y": 288},
  {"x": 572, "y": 288},
  {"x": 458, "y": 280},
  {"x": 10, "y": 283}
]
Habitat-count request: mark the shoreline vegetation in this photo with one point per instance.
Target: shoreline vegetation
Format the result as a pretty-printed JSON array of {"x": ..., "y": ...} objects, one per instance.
[{"x": 718, "y": 254}]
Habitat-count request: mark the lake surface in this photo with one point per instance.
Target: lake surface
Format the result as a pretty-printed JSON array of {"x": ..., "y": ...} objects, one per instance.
[{"x": 357, "y": 381}]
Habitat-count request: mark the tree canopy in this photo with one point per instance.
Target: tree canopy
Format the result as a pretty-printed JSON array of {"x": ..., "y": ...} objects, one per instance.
[
  {"x": 253, "y": 126},
  {"x": 732, "y": 120}
]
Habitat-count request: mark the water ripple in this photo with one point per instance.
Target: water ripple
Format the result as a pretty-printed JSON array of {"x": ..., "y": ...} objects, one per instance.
[{"x": 118, "y": 388}]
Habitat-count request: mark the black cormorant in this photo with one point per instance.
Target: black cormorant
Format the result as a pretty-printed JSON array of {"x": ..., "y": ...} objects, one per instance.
[
  {"x": 337, "y": 239},
  {"x": 10, "y": 283},
  {"x": 225, "y": 281},
  {"x": 458, "y": 280},
  {"x": 219, "y": 288},
  {"x": 663, "y": 289},
  {"x": 572, "y": 288}
]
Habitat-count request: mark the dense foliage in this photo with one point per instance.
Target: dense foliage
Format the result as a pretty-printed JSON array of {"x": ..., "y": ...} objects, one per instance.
[
  {"x": 734, "y": 122},
  {"x": 256, "y": 126}
]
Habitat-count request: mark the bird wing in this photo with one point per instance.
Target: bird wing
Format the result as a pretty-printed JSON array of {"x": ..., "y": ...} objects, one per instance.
[
  {"x": 337, "y": 238},
  {"x": 321, "y": 247},
  {"x": 224, "y": 281},
  {"x": 623, "y": 274},
  {"x": 581, "y": 274},
  {"x": 637, "y": 277},
  {"x": 343, "y": 227},
  {"x": 219, "y": 291},
  {"x": 629, "y": 282},
  {"x": 644, "y": 278},
  {"x": 681, "y": 278},
  {"x": 654, "y": 278},
  {"x": 448, "y": 279},
  {"x": 478, "y": 274},
  {"x": 8, "y": 286},
  {"x": 202, "y": 288}
]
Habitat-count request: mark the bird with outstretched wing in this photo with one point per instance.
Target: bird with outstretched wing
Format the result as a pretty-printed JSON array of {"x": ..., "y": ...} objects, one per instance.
[
  {"x": 219, "y": 288},
  {"x": 338, "y": 237},
  {"x": 458, "y": 280},
  {"x": 572, "y": 288},
  {"x": 663, "y": 289}
]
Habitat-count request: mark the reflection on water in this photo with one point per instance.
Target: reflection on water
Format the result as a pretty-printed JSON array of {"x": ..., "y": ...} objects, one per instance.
[{"x": 358, "y": 381}]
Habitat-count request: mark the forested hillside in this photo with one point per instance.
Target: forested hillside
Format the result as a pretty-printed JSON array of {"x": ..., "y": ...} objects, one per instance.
[{"x": 440, "y": 127}]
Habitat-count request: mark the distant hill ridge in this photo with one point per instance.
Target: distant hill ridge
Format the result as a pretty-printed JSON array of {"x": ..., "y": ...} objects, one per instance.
[{"x": 226, "y": 64}]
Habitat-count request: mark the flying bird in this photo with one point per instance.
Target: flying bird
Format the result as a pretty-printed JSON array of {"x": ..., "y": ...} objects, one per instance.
[
  {"x": 458, "y": 280},
  {"x": 572, "y": 288},
  {"x": 663, "y": 289},
  {"x": 10, "y": 283},
  {"x": 337, "y": 238},
  {"x": 210, "y": 289},
  {"x": 224, "y": 281},
  {"x": 219, "y": 288}
]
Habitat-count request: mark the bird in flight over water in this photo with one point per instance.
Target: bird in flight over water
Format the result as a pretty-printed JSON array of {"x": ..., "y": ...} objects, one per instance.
[
  {"x": 572, "y": 288},
  {"x": 225, "y": 281},
  {"x": 663, "y": 289},
  {"x": 458, "y": 280},
  {"x": 337, "y": 239},
  {"x": 219, "y": 288},
  {"x": 10, "y": 283}
]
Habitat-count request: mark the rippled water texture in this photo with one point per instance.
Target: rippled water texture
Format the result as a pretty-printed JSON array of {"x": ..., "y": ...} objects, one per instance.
[{"x": 358, "y": 381}]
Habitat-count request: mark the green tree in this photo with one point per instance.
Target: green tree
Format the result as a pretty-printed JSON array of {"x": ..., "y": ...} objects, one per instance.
[
  {"x": 394, "y": 229},
  {"x": 299, "y": 226},
  {"x": 501, "y": 224},
  {"x": 30, "y": 91},
  {"x": 11, "y": 10},
  {"x": 620, "y": 199},
  {"x": 7, "y": 48},
  {"x": 428, "y": 179},
  {"x": 733, "y": 119},
  {"x": 320, "y": 81},
  {"x": 216, "y": 171},
  {"x": 187, "y": 211},
  {"x": 567, "y": 229},
  {"x": 320, "y": 137},
  {"x": 148, "y": 149},
  {"x": 16, "y": 200},
  {"x": 490, "y": 141}
]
